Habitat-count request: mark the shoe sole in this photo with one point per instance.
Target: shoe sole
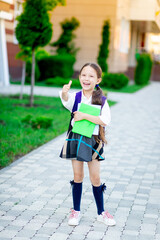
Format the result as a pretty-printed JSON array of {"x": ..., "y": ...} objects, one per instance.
[
  {"x": 70, "y": 224},
  {"x": 73, "y": 224},
  {"x": 109, "y": 224}
]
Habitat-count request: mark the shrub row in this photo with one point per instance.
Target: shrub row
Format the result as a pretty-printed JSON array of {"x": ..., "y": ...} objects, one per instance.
[
  {"x": 52, "y": 66},
  {"x": 114, "y": 80},
  {"x": 56, "y": 65},
  {"x": 143, "y": 69},
  {"x": 39, "y": 122},
  {"x": 58, "y": 81},
  {"x": 110, "y": 80},
  {"x": 56, "y": 68}
]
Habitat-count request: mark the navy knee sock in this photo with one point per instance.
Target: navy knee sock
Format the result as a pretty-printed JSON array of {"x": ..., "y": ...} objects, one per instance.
[
  {"x": 98, "y": 195},
  {"x": 76, "y": 194}
]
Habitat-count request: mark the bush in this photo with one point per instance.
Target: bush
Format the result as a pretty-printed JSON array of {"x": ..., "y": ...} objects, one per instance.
[
  {"x": 104, "y": 47},
  {"x": 41, "y": 53},
  {"x": 58, "y": 81},
  {"x": 39, "y": 122},
  {"x": 27, "y": 119},
  {"x": 42, "y": 122},
  {"x": 143, "y": 69},
  {"x": 56, "y": 65},
  {"x": 65, "y": 43},
  {"x": 114, "y": 80}
]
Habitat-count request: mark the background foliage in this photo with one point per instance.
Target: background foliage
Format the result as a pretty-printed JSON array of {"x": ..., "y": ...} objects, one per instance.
[
  {"x": 104, "y": 47},
  {"x": 143, "y": 69}
]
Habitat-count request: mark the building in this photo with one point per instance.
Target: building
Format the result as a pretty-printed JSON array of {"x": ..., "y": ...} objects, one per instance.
[
  {"x": 5, "y": 15},
  {"x": 9, "y": 66},
  {"x": 132, "y": 24}
]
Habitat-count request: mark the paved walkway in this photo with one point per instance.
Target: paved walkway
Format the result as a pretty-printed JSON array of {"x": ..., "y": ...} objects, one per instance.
[{"x": 36, "y": 195}]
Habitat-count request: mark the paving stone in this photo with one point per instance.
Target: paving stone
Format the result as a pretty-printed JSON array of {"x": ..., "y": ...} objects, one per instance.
[
  {"x": 59, "y": 236},
  {"x": 76, "y": 236},
  {"x": 95, "y": 235},
  {"x": 7, "y": 234},
  {"x": 35, "y": 193},
  {"x": 148, "y": 229},
  {"x": 29, "y": 233},
  {"x": 46, "y": 230},
  {"x": 20, "y": 238},
  {"x": 128, "y": 237},
  {"x": 150, "y": 220},
  {"x": 145, "y": 237},
  {"x": 40, "y": 238},
  {"x": 112, "y": 234},
  {"x": 157, "y": 237},
  {"x": 125, "y": 203}
]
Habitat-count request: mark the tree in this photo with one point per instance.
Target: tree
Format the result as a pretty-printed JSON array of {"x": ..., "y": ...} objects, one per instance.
[
  {"x": 51, "y": 4},
  {"x": 24, "y": 55},
  {"x": 65, "y": 44},
  {"x": 34, "y": 30},
  {"x": 104, "y": 47}
]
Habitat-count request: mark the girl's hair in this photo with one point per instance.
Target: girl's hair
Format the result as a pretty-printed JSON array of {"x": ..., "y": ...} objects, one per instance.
[{"x": 97, "y": 97}]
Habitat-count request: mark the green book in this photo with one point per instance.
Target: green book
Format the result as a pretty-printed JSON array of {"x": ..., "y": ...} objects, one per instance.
[{"x": 85, "y": 127}]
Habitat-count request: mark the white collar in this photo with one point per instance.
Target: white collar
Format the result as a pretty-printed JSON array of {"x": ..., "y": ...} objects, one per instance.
[{"x": 84, "y": 97}]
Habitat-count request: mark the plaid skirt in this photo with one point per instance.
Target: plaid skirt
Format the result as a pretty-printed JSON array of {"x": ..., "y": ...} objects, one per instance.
[{"x": 82, "y": 148}]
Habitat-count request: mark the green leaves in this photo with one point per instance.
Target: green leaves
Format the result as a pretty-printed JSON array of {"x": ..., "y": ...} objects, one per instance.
[
  {"x": 114, "y": 80},
  {"x": 104, "y": 47},
  {"x": 143, "y": 69},
  {"x": 51, "y": 4},
  {"x": 34, "y": 28},
  {"x": 65, "y": 44},
  {"x": 38, "y": 122}
]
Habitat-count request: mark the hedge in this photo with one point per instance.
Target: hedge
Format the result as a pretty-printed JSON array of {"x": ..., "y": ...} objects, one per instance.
[
  {"x": 114, "y": 80},
  {"x": 143, "y": 69},
  {"x": 56, "y": 65}
]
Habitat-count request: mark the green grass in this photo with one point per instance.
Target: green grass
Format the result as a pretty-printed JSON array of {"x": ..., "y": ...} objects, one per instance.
[
  {"x": 17, "y": 138},
  {"x": 127, "y": 89}
]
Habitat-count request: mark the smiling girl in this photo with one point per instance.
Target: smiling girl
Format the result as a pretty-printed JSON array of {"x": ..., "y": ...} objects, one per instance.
[{"x": 82, "y": 149}]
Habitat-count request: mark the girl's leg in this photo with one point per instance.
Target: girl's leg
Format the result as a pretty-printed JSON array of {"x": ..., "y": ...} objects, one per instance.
[
  {"x": 76, "y": 192},
  {"x": 78, "y": 171},
  {"x": 94, "y": 172},
  {"x": 97, "y": 187},
  {"x": 77, "y": 183}
]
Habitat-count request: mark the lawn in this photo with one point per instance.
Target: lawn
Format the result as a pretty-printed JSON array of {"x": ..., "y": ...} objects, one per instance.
[
  {"x": 18, "y": 138},
  {"x": 127, "y": 89}
]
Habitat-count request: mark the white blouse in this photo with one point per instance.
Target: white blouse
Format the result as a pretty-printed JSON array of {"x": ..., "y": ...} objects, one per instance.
[{"x": 105, "y": 115}]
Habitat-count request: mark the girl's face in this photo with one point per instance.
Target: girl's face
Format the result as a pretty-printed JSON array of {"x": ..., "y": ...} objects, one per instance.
[{"x": 88, "y": 78}]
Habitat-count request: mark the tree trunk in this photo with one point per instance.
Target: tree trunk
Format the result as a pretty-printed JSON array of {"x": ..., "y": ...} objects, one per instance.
[
  {"x": 32, "y": 78},
  {"x": 23, "y": 79}
]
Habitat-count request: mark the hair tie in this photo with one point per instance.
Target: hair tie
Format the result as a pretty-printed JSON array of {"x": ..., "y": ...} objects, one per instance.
[{"x": 97, "y": 85}]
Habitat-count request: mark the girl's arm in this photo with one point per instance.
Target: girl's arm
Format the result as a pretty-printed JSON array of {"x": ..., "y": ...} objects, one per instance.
[
  {"x": 67, "y": 98},
  {"x": 78, "y": 116},
  {"x": 65, "y": 90}
]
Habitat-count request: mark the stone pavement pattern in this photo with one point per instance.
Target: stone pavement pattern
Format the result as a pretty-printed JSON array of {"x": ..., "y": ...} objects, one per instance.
[{"x": 36, "y": 195}]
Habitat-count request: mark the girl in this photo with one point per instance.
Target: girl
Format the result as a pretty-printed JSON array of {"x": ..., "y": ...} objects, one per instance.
[{"x": 83, "y": 149}]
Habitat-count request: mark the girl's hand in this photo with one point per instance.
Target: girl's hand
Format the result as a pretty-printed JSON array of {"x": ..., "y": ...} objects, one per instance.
[
  {"x": 65, "y": 90},
  {"x": 78, "y": 116}
]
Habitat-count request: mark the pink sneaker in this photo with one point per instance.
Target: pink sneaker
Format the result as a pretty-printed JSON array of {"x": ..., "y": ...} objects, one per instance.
[
  {"x": 74, "y": 218},
  {"x": 106, "y": 218}
]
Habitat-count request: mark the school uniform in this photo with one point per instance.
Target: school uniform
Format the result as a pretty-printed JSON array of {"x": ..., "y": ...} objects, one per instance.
[{"x": 77, "y": 146}]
